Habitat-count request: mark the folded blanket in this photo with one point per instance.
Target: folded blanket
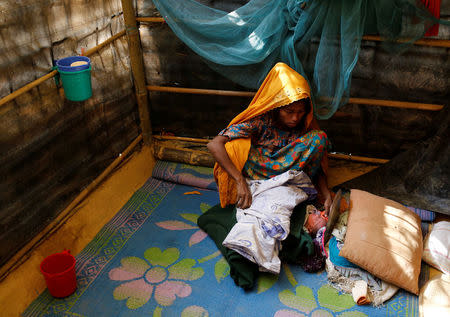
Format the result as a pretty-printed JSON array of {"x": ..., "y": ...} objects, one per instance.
[
  {"x": 184, "y": 174},
  {"x": 334, "y": 248},
  {"x": 377, "y": 293},
  {"x": 425, "y": 215}
]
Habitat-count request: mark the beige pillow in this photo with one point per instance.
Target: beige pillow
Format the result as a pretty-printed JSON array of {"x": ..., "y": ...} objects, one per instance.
[
  {"x": 384, "y": 238},
  {"x": 434, "y": 297},
  {"x": 436, "y": 247}
]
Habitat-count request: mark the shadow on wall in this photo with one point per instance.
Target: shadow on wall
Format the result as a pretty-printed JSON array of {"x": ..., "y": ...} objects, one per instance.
[{"x": 419, "y": 177}]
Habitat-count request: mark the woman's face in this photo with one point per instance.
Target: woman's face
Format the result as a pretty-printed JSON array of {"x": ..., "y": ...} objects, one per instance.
[{"x": 292, "y": 114}]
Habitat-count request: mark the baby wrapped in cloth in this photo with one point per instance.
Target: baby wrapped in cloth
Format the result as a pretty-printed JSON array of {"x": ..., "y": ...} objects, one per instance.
[{"x": 259, "y": 230}]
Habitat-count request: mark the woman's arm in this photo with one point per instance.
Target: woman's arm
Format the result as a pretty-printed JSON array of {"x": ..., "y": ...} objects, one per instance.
[
  {"x": 217, "y": 148},
  {"x": 324, "y": 191}
]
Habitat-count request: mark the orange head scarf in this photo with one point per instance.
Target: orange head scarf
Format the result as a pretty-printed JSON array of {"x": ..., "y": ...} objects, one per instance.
[{"x": 282, "y": 86}]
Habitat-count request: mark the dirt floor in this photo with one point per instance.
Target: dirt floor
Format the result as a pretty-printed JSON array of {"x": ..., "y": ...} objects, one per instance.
[{"x": 25, "y": 283}]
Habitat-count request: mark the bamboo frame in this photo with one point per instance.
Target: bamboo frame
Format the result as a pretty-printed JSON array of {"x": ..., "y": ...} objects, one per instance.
[
  {"x": 137, "y": 68},
  {"x": 26, "y": 88},
  {"x": 363, "y": 101},
  {"x": 421, "y": 42},
  {"x": 396, "y": 104},
  {"x": 65, "y": 215},
  {"x": 53, "y": 73},
  {"x": 95, "y": 49},
  {"x": 180, "y": 138},
  {"x": 356, "y": 158},
  {"x": 141, "y": 92},
  {"x": 151, "y": 19},
  {"x": 197, "y": 91},
  {"x": 375, "y": 38},
  {"x": 337, "y": 156}
]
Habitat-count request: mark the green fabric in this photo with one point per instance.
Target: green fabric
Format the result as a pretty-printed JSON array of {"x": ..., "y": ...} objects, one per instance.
[
  {"x": 298, "y": 242},
  {"x": 217, "y": 223}
]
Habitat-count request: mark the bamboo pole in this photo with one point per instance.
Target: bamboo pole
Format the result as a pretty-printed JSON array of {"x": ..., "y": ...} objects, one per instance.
[
  {"x": 356, "y": 158},
  {"x": 363, "y": 101},
  {"x": 137, "y": 67},
  {"x": 396, "y": 104},
  {"x": 27, "y": 87},
  {"x": 95, "y": 49},
  {"x": 330, "y": 155},
  {"x": 180, "y": 138},
  {"x": 421, "y": 42},
  {"x": 197, "y": 91},
  {"x": 40, "y": 80},
  {"x": 65, "y": 215},
  {"x": 150, "y": 19}
]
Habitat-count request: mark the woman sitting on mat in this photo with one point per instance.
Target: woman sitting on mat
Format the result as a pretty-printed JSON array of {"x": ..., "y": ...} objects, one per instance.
[{"x": 276, "y": 133}]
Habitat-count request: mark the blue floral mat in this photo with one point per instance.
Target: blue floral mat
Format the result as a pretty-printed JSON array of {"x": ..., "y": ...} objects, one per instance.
[{"x": 151, "y": 259}]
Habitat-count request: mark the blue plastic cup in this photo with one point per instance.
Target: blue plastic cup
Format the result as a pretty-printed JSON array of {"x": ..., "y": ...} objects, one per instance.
[{"x": 63, "y": 64}]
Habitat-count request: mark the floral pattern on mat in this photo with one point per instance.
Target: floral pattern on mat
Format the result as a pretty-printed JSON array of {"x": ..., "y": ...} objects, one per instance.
[
  {"x": 221, "y": 269},
  {"x": 304, "y": 303},
  {"x": 120, "y": 274},
  {"x": 158, "y": 273},
  {"x": 198, "y": 236}
]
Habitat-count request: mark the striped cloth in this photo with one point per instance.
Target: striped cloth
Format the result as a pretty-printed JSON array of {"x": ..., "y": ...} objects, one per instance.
[{"x": 425, "y": 215}]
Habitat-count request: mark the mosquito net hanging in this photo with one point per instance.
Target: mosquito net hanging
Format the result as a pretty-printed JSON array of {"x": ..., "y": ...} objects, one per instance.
[{"x": 319, "y": 39}]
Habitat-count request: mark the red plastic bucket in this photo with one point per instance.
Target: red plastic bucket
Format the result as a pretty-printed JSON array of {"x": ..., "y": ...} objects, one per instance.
[{"x": 59, "y": 273}]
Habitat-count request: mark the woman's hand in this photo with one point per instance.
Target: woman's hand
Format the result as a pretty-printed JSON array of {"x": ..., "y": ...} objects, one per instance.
[
  {"x": 324, "y": 193},
  {"x": 244, "y": 196},
  {"x": 217, "y": 149}
]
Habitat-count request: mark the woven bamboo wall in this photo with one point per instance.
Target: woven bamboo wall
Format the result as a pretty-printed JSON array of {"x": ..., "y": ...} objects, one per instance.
[
  {"x": 418, "y": 75},
  {"x": 51, "y": 148}
]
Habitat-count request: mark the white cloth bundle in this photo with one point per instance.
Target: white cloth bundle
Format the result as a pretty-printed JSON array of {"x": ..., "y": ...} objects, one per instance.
[{"x": 261, "y": 227}]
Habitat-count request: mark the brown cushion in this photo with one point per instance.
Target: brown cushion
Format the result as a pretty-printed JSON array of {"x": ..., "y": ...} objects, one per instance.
[{"x": 384, "y": 238}]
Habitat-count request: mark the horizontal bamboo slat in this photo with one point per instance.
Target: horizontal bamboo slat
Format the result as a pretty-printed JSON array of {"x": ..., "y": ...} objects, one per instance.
[
  {"x": 421, "y": 42},
  {"x": 91, "y": 51},
  {"x": 362, "y": 101},
  {"x": 356, "y": 158},
  {"x": 396, "y": 104},
  {"x": 181, "y": 138},
  {"x": 27, "y": 87},
  {"x": 53, "y": 73},
  {"x": 197, "y": 91},
  {"x": 150, "y": 19},
  {"x": 338, "y": 156},
  {"x": 375, "y": 38}
]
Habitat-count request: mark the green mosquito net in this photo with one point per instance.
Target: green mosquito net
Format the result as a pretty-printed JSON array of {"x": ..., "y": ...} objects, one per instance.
[{"x": 320, "y": 39}]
